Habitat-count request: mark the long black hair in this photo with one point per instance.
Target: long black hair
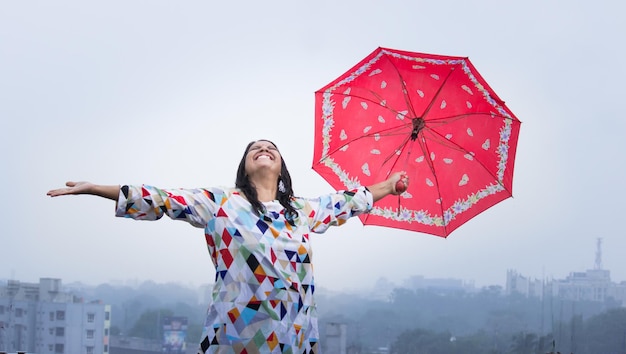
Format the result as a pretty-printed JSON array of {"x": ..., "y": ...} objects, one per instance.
[{"x": 243, "y": 183}]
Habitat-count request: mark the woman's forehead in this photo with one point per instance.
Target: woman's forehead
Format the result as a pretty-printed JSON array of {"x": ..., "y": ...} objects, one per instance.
[{"x": 262, "y": 142}]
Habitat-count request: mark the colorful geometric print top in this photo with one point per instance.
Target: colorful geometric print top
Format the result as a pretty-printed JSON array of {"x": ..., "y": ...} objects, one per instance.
[{"x": 262, "y": 300}]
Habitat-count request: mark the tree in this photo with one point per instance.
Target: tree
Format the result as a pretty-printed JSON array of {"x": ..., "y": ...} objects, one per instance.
[
  {"x": 149, "y": 324},
  {"x": 524, "y": 343},
  {"x": 605, "y": 333},
  {"x": 115, "y": 331},
  {"x": 421, "y": 341}
]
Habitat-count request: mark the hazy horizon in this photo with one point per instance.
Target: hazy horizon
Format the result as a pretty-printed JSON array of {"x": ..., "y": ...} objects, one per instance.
[{"x": 364, "y": 286}]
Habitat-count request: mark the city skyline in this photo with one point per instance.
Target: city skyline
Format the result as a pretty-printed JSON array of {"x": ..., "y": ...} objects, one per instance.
[{"x": 133, "y": 282}]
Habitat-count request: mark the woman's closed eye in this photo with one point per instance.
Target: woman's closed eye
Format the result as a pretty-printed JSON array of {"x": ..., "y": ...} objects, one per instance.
[{"x": 259, "y": 147}]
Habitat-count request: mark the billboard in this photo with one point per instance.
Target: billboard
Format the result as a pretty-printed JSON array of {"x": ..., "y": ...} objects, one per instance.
[{"x": 174, "y": 333}]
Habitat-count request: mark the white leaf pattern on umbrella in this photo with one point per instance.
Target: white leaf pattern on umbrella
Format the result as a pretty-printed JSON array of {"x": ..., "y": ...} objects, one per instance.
[
  {"x": 429, "y": 182},
  {"x": 464, "y": 180},
  {"x": 447, "y": 161},
  {"x": 343, "y": 135},
  {"x": 364, "y": 105},
  {"x": 345, "y": 101},
  {"x": 420, "y": 93},
  {"x": 486, "y": 144},
  {"x": 375, "y": 152},
  {"x": 381, "y": 119},
  {"x": 443, "y": 104},
  {"x": 366, "y": 169},
  {"x": 383, "y": 84},
  {"x": 470, "y": 132}
]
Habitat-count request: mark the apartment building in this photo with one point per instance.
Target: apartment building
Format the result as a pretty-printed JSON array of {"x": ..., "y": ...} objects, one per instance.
[{"x": 42, "y": 318}]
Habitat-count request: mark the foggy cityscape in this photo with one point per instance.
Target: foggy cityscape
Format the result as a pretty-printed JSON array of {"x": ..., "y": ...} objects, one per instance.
[
  {"x": 527, "y": 313},
  {"x": 169, "y": 94}
]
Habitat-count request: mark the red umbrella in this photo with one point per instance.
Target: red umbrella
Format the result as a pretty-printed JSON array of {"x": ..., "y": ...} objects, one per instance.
[{"x": 432, "y": 116}]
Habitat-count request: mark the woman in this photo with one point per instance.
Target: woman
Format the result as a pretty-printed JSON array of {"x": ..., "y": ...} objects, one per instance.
[{"x": 258, "y": 238}]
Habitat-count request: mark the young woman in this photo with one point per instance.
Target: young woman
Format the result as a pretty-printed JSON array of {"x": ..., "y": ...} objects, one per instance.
[{"x": 258, "y": 237}]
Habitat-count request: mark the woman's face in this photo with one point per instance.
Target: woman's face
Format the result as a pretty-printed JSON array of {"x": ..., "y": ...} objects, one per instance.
[{"x": 263, "y": 156}]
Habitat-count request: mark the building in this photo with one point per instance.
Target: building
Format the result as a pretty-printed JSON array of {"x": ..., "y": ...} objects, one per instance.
[
  {"x": 439, "y": 285},
  {"x": 592, "y": 285},
  {"x": 519, "y": 284},
  {"x": 41, "y": 318},
  {"x": 336, "y": 338}
]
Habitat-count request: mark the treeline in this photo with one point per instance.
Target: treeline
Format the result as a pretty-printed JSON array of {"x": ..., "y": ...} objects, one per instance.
[
  {"x": 406, "y": 321},
  {"x": 487, "y": 321},
  {"x": 602, "y": 333}
]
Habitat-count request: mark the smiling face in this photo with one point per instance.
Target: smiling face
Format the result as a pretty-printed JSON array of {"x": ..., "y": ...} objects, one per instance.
[{"x": 263, "y": 156}]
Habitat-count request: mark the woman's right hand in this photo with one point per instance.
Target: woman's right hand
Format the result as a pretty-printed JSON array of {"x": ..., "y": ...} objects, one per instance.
[{"x": 72, "y": 188}]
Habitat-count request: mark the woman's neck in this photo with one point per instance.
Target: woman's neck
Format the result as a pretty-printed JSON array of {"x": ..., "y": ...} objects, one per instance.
[{"x": 265, "y": 188}]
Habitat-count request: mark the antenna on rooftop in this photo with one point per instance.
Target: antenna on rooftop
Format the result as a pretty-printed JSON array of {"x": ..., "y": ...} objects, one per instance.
[{"x": 598, "y": 265}]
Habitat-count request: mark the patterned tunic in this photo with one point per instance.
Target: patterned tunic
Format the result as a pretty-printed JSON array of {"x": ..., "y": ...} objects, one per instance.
[{"x": 262, "y": 300}]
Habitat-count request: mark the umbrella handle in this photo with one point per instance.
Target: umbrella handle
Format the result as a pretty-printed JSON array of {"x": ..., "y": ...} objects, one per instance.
[{"x": 401, "y": 186}]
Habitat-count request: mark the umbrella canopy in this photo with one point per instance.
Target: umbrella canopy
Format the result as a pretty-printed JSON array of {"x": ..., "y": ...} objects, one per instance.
[{"x": 433, "y": 117}]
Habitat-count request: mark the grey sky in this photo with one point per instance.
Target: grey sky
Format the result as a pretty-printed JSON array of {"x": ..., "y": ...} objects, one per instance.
[{"x": 169, "y": 93}]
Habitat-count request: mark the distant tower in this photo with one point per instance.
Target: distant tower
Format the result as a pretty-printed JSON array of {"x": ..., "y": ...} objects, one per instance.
[{"x": 599, "y": 254}]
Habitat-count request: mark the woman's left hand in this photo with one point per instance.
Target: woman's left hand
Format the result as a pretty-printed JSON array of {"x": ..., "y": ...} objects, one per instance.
[
  {"x": 399, "y": 181},
  {"x": 396, "y": 184}
]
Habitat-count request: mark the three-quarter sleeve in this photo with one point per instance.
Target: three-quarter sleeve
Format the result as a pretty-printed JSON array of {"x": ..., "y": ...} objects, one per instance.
[
  {"x": 195, "y": 206},
  {"x": 336, "y": 208}
]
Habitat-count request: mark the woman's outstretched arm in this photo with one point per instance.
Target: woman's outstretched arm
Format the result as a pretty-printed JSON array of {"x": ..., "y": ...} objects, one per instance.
[
  {"x": 389, "y": 186},
  {"x": 75, "y": 188}
]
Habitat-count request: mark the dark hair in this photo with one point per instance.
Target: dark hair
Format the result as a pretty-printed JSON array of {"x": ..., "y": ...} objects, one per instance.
[{"x": 243, "y": 183}]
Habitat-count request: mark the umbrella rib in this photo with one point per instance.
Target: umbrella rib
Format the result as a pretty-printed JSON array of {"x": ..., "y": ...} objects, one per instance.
[
  {"x": 405, "y": 92},
  {"x": 445, "y": 120},
  {"x": 378, "y": 103},
  {"x": 385, "y": 132},
  {"x": 445, "y": 142},
  {"x": 438, "y": 138},
  {"x": 430, "y": 104},
  {"x": 426, "y": 151},
  {"x": 405, "y": 95},
  {"x": 401, "y": 147}
]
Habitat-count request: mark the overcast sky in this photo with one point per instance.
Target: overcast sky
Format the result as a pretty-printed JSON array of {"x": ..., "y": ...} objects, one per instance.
[{"x": 169, "y": 93}]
